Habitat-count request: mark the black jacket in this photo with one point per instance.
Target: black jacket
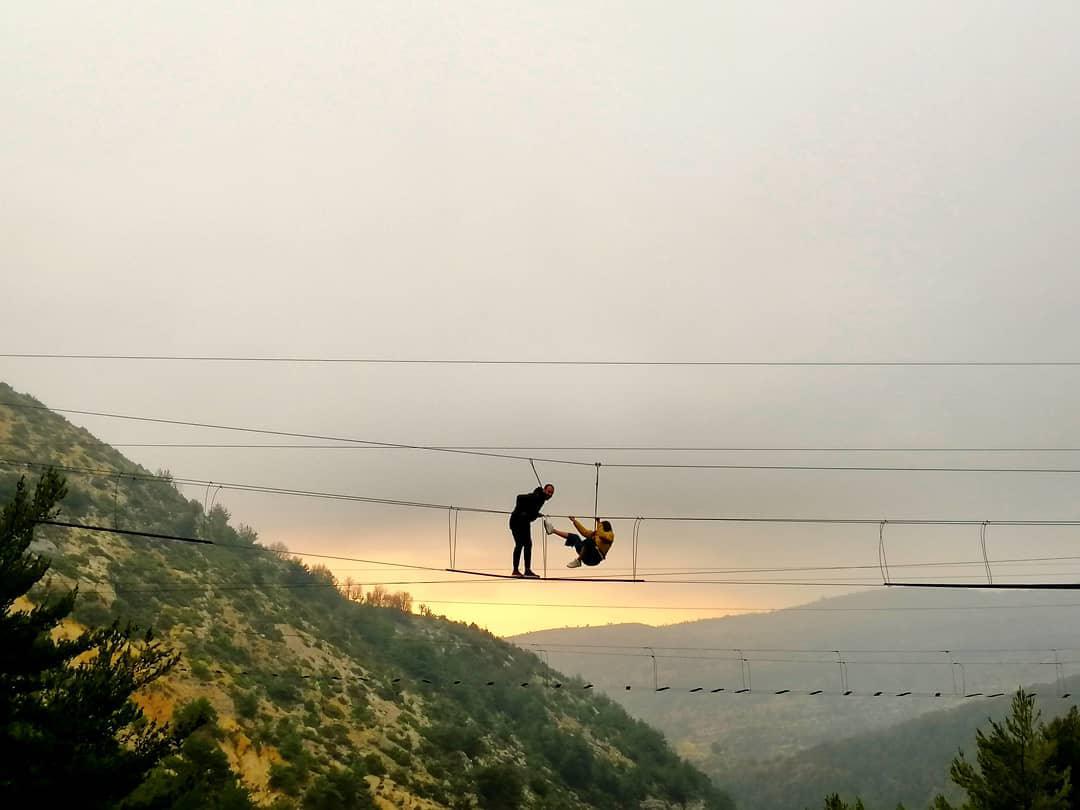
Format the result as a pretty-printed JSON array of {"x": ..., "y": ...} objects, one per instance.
[{"x": 528, "y": 505}]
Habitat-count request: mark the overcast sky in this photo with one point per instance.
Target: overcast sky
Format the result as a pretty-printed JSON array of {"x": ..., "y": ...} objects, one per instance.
[{"x": 701, "y": 180}]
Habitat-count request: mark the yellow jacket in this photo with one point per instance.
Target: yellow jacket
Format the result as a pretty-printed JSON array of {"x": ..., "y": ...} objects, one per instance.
[{"x": 603, "y": 539}]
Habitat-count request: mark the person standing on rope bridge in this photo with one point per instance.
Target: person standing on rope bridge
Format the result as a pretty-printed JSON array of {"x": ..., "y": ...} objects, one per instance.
[
  {"x": 592, "y": 545},
  {"x": 526, "y": 510}
]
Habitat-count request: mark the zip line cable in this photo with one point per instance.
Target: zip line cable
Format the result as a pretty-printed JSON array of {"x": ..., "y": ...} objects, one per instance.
[
  {"x": 731, "y": 608},
  {"x": 544, "y": 578},
  {"x": 289, "y": 434},
  {"x": 783, "y": 569},
  {"x": 831, "y": 583},
  {"x": 959, "y": 363},
  {"x": 474, "y": 603},
  {"x": 835, "y": 582},
  {"x": 1034, "y": 586},
  {"x": 614, "y": 448},
  {"x": 231, "y": 546},
  {"x": 842, "y": 468},
  {"x": 563, "y": 461},
  {"x": 149, "y": 477},
  {"x": 801, "y": 583}
]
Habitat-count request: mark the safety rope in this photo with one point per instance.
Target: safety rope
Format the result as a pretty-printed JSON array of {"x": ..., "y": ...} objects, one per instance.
[
  {"x": 985, "y": 556},
  {"x": 539, "y": 483},
  {"x": 883, "y": 559},
  {"x": 596, "y": 496},
  {"x": 451, "y": 532}
]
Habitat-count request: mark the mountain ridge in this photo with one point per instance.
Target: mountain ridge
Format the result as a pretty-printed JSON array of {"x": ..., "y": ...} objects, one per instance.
[
  {"x": 304, "y": 680},
  {"x": 728, "y": 734}
]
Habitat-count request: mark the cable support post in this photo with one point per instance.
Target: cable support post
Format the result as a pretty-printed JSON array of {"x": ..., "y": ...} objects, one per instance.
[
  {"x": 206, "y": 499},
  {"x": 741, "y": 659},
  {"x": 985, "y": 556},
  {"x": 963, "y": 679},
  {"x": 1059, "y": 673},
  {"x": 843, "y": 670},
  {"x": 450, "y": 533},
  {"x": 544, "y": 548}
]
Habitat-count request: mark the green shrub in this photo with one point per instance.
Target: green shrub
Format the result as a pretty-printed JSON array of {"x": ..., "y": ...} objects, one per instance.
[
  {"x": 499, "y": 787},
  {"x": 287, "y": 778},
  {"x": 373, "y": 764},
  {"x": 200, "y": 670},
  {"x": 246, "y": 704},
  {"x": 339, "y": 789}
]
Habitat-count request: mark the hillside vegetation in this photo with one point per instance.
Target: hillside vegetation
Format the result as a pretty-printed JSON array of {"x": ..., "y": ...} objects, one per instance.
[
  {"x": 321, "y": 700},
  {"x": 908, "y": 763}
]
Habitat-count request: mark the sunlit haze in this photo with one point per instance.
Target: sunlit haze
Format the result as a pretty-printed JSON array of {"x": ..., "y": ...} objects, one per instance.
[{"x": 700, "y": 181}]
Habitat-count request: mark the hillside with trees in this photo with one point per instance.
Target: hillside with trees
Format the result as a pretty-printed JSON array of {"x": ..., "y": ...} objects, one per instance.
[
  {"x": 907, "y": 764},
  {"x": 1018, "y": 762},
  {"x": 732, "y": 736},
  {"x": 276, "y": 688}
]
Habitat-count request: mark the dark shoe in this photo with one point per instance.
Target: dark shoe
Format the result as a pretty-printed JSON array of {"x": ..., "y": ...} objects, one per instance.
[
  {"x": 531, "y": 575},
  {"x": 516, "y": 574}
]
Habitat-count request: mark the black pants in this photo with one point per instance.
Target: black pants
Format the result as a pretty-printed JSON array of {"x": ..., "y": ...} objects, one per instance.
[
  {"x": 586, "y": 549},
  {"x": 522, "y": 531}
]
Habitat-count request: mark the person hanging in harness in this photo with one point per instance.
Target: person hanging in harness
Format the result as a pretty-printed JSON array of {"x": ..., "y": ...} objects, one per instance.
[
  {"x": 592, "y": 546},
  {"x": 526, "y": 510}
]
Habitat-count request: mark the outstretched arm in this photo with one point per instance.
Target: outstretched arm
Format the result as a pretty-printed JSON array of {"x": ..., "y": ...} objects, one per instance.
[{"x": 581, "y": 529}]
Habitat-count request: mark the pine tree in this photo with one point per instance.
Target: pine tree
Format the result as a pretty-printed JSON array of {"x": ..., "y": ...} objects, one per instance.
[
  {"x": 1065, "y": 734},
  {"x": 198, "y": 777},
  {"x": 1016, "y": 768},
  {"x": 834, "y": 802},
  {"x": 69, "y": 731}
]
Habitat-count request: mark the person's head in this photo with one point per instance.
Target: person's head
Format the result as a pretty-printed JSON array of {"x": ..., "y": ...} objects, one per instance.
[
  {"x": 606, "y": 524},
  {"x": 549, "y": 490}
]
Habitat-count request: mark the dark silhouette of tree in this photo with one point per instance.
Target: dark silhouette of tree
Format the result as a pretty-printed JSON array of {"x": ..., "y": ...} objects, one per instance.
[
  {"x": 1065, "y": 732},
  {"x": 198, "y": 776},
  {"x": 1014, "y": 767},
  {"x": 834, "y": 802},
  {"x": 69, "y": 731}
]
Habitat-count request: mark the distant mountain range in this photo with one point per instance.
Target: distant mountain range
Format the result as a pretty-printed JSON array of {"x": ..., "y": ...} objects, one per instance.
[{"x": 892, "y": 642}]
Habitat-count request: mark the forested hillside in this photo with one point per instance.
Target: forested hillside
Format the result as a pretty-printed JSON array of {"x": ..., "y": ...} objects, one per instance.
[
  {"x": 314, "y": 691},
  {"x": 726, "y": 735},
  {"x": 907, "y": 764}
]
